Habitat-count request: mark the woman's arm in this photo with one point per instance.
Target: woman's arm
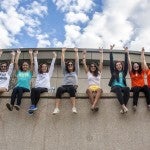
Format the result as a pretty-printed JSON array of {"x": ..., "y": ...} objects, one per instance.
[
  {"x": 143, "y": 61},
  {"x": 101, "y": 59},
  {"x": 11, "y": 66},
  {"x": 129, "y": 60},
  {"x": 84, "y": 61},
  {"x": 76, "y": 60},
  {"x": 35, "y": 62},
  {"x": 111, "y": 59},
  {"x": 51, "y": 69},
  {"x": 126, "y": 61},
  {"x": 63, "y": 59},
  {"x": 16, "y": 59},
  {"x": 1, "y": 52},
  {"x": 31, "y": 59}
]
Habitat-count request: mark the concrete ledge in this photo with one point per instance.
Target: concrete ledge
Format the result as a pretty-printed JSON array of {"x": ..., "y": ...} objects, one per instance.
[{"x": 66, "y": 95}]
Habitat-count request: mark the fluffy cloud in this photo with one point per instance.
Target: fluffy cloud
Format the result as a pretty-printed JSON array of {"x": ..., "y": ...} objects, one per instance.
[
  {"x": 120, "y": 22},
  {"x": 72, "y": 17},
  {"x": 14, "y": 19},
  {"x": 43, "y": 40}
]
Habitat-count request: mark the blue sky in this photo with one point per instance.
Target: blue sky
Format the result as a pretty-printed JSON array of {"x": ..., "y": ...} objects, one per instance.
[{"x": 70, "y": 23}]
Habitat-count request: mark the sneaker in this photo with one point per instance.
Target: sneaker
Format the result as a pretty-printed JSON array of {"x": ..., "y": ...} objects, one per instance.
[
  {"x": 121, "y": 111},
  {"x": 74, "y": 110},
  {"x": 134, "y": 108},
  {"x": 56, "y": 111},
  {"x": 148, "y": 106},
  {"x": 9, "y": 106},
  {"x": 33, "y": 107},
  {"x": 17, "y": 107}
]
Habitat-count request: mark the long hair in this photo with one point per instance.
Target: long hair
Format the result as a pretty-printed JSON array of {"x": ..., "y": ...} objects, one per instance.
[
  {"x": 116, "y": 72},
  {"x": 139, "y": 70},
  {"x": 40, "y": 68},
  {"x": 96, "y": 72},
  {"x": 66, "y": 65}
]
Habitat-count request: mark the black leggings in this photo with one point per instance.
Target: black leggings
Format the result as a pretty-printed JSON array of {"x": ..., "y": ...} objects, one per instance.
[
  {"x": 35, "y": 94},
  {"x": 17, "y": 93},
  {"x": 66, "y": 88},
  {"x": 122, "y": 94},
  {"x": 136, "y": 90}
]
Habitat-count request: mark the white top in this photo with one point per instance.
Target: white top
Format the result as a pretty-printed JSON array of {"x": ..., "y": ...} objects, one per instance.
[
  {"x": 43, "y": 79},
  {"x": 5, "y": 77},
  {"x": 93, "y": 80}
]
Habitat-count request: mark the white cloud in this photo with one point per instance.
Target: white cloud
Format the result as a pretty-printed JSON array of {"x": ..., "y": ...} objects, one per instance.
[
  {"x": 14, "y": 19},
  {"x": 72, "y": 17},
  {"x": 43, "y": 40},
  {"x": 120, "y": 22}
]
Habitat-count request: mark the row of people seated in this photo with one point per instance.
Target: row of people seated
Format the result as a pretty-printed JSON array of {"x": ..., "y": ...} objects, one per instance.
[{"x": 70, "y": 69}]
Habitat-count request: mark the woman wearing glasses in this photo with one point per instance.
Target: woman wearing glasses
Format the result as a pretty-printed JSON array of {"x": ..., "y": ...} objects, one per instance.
[
  {"x": 70, "y": 80},
  {"x": 137, "y": 72},
  {"x": 94, "y": 76},
  {"x": 117, "y": 82},
  {"x": 5, "y": 73}
]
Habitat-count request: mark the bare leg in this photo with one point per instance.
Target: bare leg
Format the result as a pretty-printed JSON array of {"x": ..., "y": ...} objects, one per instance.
[
  {"x": 3, "y": 90},
  {"x": 90, "y": 95},
  {"x": 57, "y": 103},
  {"x": 97, "y": 97},
  {"x": 73, "y": 101}
]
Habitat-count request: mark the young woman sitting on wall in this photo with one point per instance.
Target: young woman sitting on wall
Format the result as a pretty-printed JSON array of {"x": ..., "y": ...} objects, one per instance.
[
  {"x": 94, "y": 76},
  {"x": 70, "y": 81},
  {"x": 118, "y": 80}
]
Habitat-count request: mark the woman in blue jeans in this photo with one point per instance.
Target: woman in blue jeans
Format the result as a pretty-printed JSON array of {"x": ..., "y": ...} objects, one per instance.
[
  {"x": 117, "y": 82},
  {"x": 24, "y": 75}
]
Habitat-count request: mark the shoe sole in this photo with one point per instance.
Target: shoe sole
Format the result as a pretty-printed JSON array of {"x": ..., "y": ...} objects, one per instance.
[
  {"x": 9, "y": 107},
  {"x": 17, "y": 108}
]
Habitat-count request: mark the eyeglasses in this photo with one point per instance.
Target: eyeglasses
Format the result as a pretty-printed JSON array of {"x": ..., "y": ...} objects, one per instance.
[{"x": 70, "y": 64}]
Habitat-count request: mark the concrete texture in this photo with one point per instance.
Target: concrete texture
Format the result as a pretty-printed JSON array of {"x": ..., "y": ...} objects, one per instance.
[{"x": 105, "y": 130}]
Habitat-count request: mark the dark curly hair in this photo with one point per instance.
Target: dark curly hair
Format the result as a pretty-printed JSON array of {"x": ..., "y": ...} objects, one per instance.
[
  {"x": 139, "y": 70},
  {"x": 22, "y": 65},
  {"x": 40, "y": 68},
  {"x": 96, "y": 72}
]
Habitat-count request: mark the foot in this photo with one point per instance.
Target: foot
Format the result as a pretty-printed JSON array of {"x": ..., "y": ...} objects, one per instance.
[
  {"x": 56, "y": 111},
  {"x": 9, "y": 106},
  {"x": 134, "y": 108},
  {"x": 148, "y": 107},
  {"x": 96, "y": 109},
  {"x": 33, "y": 107},
  {"x": 17, "y": 107},
  {"x": 74, "y": 110},
  {"x": 125, "y": 109},
  {"x": 121, "y": 111}
]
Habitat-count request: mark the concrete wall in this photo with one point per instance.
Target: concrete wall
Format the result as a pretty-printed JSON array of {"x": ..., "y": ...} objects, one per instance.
[{"x": 105, "y": 130}]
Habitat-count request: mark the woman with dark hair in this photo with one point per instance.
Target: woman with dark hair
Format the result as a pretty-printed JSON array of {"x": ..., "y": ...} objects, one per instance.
[
  {"x": 94, "y": 76},
  {"x": 137, "y": 73},
  {"x": 42, "y": 83},
  {"x": 118, "y": 80},
  {"x": 5, "y": 72},
  {"x": 24, "y": 75},
  {"x": 70, "y": 81}
]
